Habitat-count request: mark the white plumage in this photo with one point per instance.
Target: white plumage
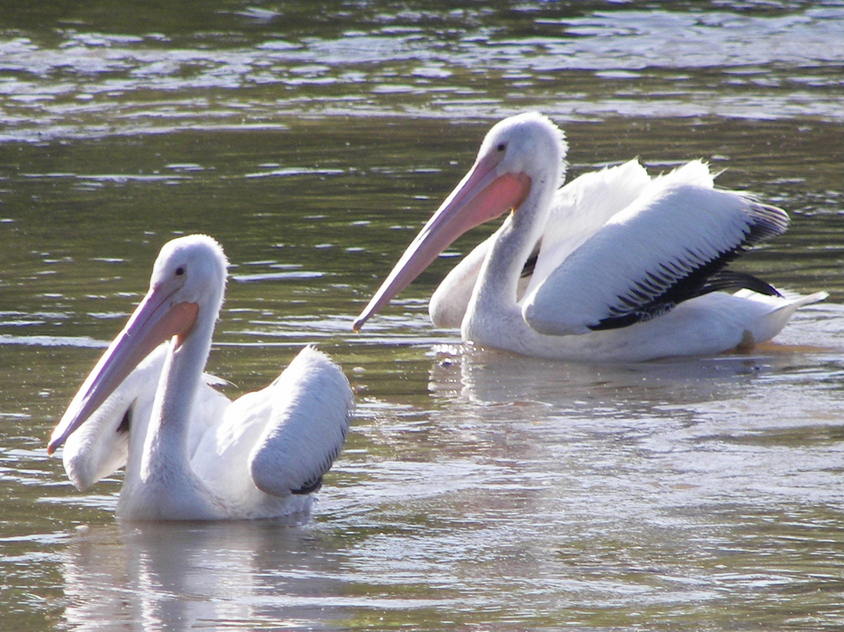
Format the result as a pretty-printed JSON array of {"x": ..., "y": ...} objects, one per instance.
[
  {"x": 100, "y": 446},
  {"x": 616, "y": 265},
  {"x": 190, "y": 453},
  {"x": 663, "y": 236}
]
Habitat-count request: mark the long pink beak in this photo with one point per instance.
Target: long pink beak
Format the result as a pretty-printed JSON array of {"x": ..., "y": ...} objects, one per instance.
[
  {"x": 154, "y": 321},
  {"x": 479, "y": 197}
]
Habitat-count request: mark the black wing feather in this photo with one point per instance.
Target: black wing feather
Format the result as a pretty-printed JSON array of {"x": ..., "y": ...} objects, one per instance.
[
  {"x": 126, "y": 423},
  {"x": 695, "y": 274},
  {"x": 314, "y": 483},
  {"x": 731, "y": 281},
  {"x": 530, "y": 265}
]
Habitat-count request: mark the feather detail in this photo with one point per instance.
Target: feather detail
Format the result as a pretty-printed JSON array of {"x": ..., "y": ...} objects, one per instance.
[{"x": 656, "y": 253}]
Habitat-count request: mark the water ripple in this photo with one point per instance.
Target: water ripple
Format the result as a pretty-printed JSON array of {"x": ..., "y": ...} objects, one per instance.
[{"x": 677, "y": 63}]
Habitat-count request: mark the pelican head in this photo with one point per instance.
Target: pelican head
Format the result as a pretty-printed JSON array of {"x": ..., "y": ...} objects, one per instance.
[
  {"x": 521, "y": 157},
  {"x": 195, "y": 268},
  {"x": 186, "y": 290},
  {"x": 528, "y": 143}
]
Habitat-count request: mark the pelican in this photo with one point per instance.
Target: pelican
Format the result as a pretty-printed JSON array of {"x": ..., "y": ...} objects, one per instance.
[
  {"x": 190, "y": 453},
  {"x": 615, "y": 266}
]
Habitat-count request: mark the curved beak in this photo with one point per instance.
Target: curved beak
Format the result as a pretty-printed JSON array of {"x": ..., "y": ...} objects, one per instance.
[
  {"x": 480, "y": 196},
  {"x": 155, "y": 320}
]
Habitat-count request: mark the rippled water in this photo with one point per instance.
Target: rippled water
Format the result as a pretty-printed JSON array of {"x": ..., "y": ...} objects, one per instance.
[
  {"x": 478, "y": 490},
  {"x": 104, "y": 68}
]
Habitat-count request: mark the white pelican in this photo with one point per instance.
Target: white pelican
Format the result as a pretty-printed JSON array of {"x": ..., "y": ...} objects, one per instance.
[
  {"x": 190, "y": 453},
  {"x": 615, "y": 266}
]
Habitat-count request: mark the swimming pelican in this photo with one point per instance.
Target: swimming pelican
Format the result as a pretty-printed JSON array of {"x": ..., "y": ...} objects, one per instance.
[
  {"x": 615, "y": 266},
  {"x": 190, "y": 453}
]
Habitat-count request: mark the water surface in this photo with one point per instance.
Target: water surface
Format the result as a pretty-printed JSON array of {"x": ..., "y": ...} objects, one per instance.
[{"x": 478, "y": 490}]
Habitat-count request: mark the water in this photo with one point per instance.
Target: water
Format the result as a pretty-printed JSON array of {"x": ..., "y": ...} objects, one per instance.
[{"x": 478, "y": 490}]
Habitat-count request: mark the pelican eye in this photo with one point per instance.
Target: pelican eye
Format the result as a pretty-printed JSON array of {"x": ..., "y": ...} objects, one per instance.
[
  {"x": 501, "y": 146},
  {"x": 180, "y": 270}
]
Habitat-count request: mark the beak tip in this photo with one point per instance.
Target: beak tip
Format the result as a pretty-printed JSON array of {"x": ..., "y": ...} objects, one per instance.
[{"x": 56, "y": 441}]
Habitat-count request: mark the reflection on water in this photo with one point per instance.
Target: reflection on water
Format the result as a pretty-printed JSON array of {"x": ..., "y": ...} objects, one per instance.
[
  {"x": 478, "y": 490},
  {"x": 186, "y": 576},
  {"x": 506, "y": 515}
]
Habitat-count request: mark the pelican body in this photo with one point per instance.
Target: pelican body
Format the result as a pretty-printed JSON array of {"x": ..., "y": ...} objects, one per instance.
[
  {"x": 190, "y": 453},
  {"x": 615, "y": 266}
]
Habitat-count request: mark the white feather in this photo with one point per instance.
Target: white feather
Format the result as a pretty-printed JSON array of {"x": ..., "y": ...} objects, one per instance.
[
  {"x": 192, "y": 454},
  {"x": 308, "y": 426},
  {"x": 98, "y": 449},
  {"x": 669, "y": 230},
  {"x": 618, "y": 251}
]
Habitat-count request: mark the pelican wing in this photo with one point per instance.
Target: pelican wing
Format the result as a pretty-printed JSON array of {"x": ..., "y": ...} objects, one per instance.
[
  {"x": 309, "y": 417},
  {"x": 581, "y": 208},
  {"x": 657, "y": 252},
  {"x": 100, "y": 447}
]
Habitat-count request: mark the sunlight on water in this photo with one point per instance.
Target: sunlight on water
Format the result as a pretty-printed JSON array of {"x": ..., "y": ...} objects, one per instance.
[
  {"x": 477, "y": 490},
  {"x": 587, "y": 62}
]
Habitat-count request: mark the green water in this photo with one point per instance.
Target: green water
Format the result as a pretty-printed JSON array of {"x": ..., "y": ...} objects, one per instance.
[{"x": 477, "y": 491}]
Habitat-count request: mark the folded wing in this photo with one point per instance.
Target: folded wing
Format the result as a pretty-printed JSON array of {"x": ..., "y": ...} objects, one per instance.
[{"x": 660, "y": 250}]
